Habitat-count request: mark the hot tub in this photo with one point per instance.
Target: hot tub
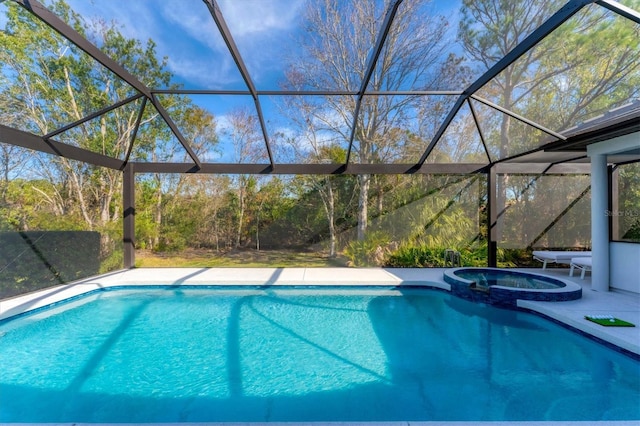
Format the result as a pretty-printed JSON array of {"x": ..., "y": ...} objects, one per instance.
[{"x": 505, "y": 287}]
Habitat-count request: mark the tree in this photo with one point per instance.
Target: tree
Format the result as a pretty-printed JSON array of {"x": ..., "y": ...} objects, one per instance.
[
  {"x": 52, "y": 83},
  {"x": 12, "y": 158},
  {"x": 328, "y": 188},
  {"x": 626, "y": 212},
  {"x": 55, "y": 84},
  {"x": 586, "y": 66},
  {"x": 200, "y": 128},
  {"x": 243, "y": 132},
  {"x": 338, "y": 42},
  {"x": 271, "y": 202},
  {"x": 313, "y": 144}
]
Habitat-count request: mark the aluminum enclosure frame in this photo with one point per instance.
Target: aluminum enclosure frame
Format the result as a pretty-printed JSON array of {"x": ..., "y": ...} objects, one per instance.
[
  {"x": 149, "y": 94},
  {"x": 559, "y": 141}
]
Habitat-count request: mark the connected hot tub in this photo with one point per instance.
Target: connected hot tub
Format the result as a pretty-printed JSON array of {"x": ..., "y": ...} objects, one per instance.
[{"x": 504, "y": 287}]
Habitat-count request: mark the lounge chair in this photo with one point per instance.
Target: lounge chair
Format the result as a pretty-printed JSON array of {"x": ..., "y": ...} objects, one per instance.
[
  {"x": 582, "y": 263},
  {"x": 563, "y": 257}
]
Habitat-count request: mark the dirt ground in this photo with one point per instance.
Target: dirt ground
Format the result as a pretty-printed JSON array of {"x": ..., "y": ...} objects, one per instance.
[{"x": 237, "y": 257}]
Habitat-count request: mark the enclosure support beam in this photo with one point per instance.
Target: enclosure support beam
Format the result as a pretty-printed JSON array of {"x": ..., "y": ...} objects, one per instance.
[
  {"x": 621, "y": 10},
  {"x": 492, "y": 245},
  {"x": 599, "y": 223},
  {"x": 218, "y": 18},
  {"x": 518, "y": 117},
  {"x": 443, "y": 128},
  {"x": 93, "y": 115},
  {"x": 310, "y": 169},
  {"x": 129, "y": 219},
  {"x": 37, "y": 143},
  {"x": 557, "y": 19}
]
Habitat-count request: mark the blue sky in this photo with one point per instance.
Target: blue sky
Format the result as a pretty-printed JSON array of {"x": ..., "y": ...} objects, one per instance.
[{"x": 185, "y": 32}]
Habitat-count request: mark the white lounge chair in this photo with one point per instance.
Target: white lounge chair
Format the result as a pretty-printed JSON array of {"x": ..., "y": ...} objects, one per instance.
[
  {"x": 563, "y": 257},
  {"x": 582, "y": 263}
]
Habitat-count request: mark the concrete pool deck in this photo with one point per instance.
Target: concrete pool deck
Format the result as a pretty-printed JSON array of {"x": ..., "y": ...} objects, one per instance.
[{"x": 620, "y": 304}]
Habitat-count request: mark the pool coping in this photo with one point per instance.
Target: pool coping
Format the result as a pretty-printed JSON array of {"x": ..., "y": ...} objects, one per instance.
[{"x": 400, "y": 423}]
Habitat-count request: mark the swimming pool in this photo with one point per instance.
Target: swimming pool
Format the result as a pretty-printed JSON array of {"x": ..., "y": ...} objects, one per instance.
[{"x": 204, "y": 355}]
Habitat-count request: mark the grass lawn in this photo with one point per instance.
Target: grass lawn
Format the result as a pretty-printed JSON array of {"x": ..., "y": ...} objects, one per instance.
[{"x": 242, "y": 258}]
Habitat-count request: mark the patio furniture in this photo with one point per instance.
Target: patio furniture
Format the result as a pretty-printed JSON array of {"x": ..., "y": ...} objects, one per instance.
[
  {"x": 563, "y": 257},
  {"x": 582, "y": 263}
]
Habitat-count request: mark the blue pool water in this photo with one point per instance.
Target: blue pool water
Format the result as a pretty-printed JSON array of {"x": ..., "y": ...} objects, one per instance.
[
  {"x": 198, "y": 355},
  {"x": 514, "y": 279}
]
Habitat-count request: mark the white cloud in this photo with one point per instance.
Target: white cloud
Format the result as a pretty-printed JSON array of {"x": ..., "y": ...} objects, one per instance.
[
  {"x": 250, "y": 17},
  {"x": 134, "y": 19},
  {"x": 262, "y": 29},
  {"x": 201, "y": 72},
  {"x": 185, "y": 32},
  {"x": 224, "y": 122},
  {"x": 195, "y": 22}
]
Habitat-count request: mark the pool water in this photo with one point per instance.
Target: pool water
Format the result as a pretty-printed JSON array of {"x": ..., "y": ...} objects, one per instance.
[
  {"x": 489, "y": 277},
  {"x": 204, "y": 355}
]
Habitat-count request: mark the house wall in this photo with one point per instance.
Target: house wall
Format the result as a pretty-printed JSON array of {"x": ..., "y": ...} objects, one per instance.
[
  {"x": 624, "y": 261},
  {"x": 623, "y": 265}
]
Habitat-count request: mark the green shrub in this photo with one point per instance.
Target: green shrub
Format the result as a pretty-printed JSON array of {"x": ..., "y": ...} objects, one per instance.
[
  {"x": 171, "y": 242},
  {"x": 475, "y": 255},
  {"x": 424, "y": 255},
  {"x": 633, "y": 234},
  {"x": 113, "y": 261},
  {"x": 511, "y": 258},
  {"x": 369, "y": 252},
  {"x": 416, "y": 256}
]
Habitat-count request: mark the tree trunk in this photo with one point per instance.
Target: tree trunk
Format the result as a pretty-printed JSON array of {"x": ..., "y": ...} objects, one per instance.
[
  {"x": 241, "y": 211},
  {"x": 363, "y": 204},
  {"x": 503, "y": 181},
  {"x": 4, "y": 184},
  {"x": 77, "y": 188},
  {"x": 380, "y": 195},
  {"x": 329, "y": 204},
  {"x": 332, "y": 223},
  {"x": 157, "y": 214},
  {"x": 105, "y": 202}
]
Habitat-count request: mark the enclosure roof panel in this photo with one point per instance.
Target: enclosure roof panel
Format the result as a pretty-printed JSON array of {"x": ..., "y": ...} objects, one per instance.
[{"x": 356, "y": 83}]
